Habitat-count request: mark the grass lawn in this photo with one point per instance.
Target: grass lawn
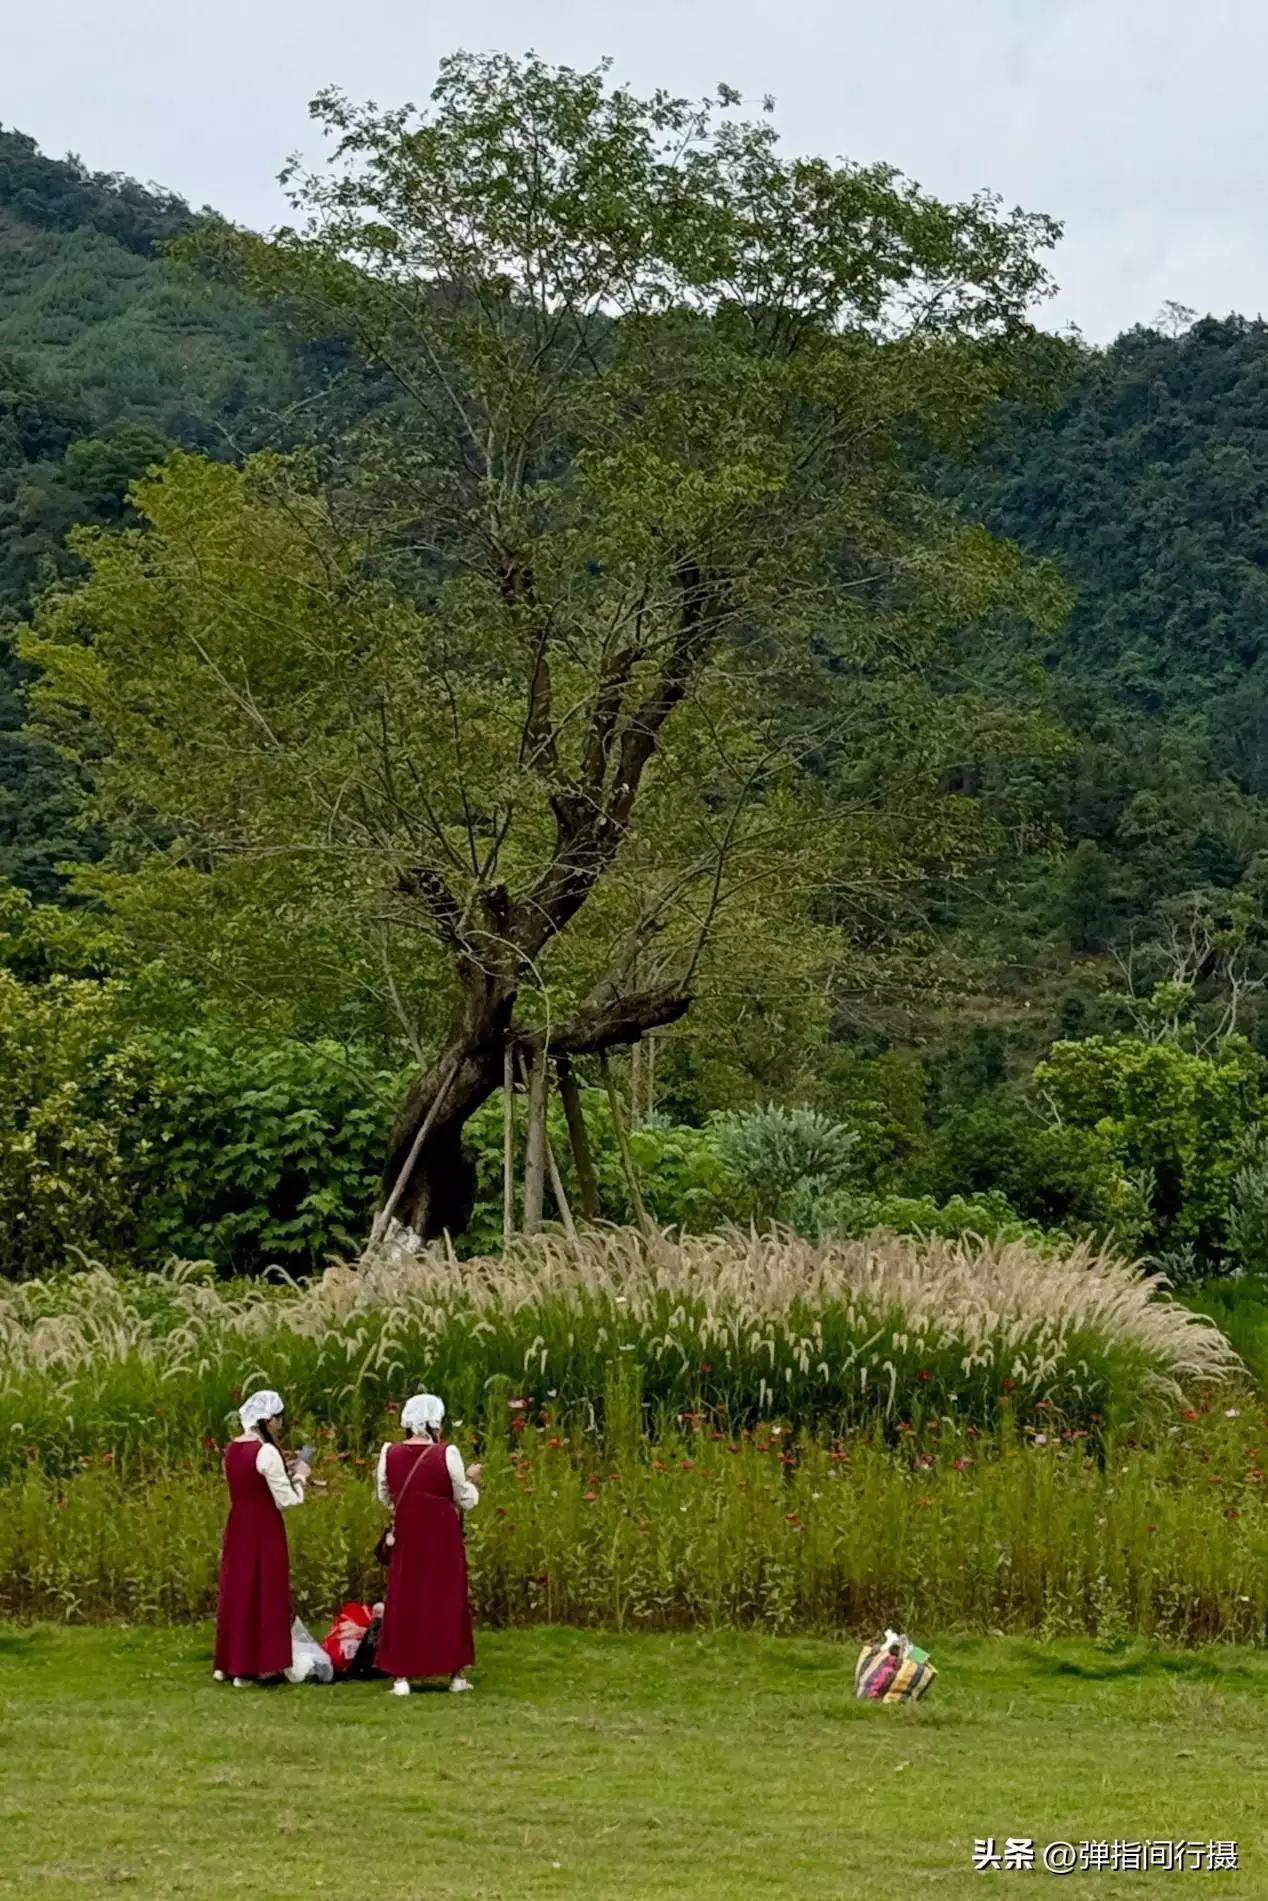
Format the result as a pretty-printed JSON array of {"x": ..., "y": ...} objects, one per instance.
[{"x": 602, "y": 1768}]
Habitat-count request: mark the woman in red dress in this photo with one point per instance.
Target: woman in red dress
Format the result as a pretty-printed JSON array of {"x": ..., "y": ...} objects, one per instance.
[
  {"x": 253, "y": 1619},
  {"x": 427, "y": 1629}
]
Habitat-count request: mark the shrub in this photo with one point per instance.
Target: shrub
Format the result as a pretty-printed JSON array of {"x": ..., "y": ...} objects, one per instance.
[
  {"x": 69, "y": 1090},
  {"x": 772, "y": 1154},
  {"x": 249, "y": 1154},
  {"x": 1174, "y": 1121}
]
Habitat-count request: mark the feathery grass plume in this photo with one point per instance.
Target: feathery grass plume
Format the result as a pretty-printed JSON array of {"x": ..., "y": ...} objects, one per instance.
[{"x": 749, "y": 1325}]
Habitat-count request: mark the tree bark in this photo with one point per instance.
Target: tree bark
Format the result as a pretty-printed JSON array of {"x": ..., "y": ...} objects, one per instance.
[{"x": 578, "y": 1135}]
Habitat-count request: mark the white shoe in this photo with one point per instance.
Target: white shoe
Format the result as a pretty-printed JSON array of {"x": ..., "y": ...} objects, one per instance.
[
  {"x": 459, "y": 1684},
  {"x": 217, "y": 1676},
  {"x": 400, "y": 1687},
  {"x": 242, "y": 1683}
]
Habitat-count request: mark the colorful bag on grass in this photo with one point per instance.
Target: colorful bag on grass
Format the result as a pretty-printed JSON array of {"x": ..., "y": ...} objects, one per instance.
[
  {"x": 893, "y": 1671},
  {"x": 346, "y": 1635}
]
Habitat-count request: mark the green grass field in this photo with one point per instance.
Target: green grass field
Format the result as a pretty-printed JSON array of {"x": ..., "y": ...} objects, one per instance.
[{"x": 603, "y": 1768}]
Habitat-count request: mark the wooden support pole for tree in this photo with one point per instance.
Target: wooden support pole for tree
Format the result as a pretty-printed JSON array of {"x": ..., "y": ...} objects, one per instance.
[
  {"x": 578, "y": 1136},
  {"x": 557, "y": 1190},
  {"x": 650, "y": 1098},
  {"x": 508, "y": 1143},
  {"x": 636, "y": 1085},
  {"x": 623, "y": 1143},
  {"x": 535, "y": 1157}
]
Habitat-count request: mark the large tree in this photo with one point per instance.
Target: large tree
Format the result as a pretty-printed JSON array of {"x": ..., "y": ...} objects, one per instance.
[{"x": 511, "y": 690}]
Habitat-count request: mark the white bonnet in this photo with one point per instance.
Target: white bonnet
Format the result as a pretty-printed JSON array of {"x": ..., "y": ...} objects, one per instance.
[
  {"x": 265, "y": 1405},
  {"x": 423, "y": 1413}
]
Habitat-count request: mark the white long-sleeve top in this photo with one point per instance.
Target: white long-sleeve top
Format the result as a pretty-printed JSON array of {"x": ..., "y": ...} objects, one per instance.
[
  {"x": 272, "y": 1469},
  {"x": 465, "y": 1495}
]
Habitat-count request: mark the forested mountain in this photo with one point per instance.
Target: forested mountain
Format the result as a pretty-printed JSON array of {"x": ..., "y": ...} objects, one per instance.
[
  {"x": 109, "y": 356},
  {"x": 1147, "y": 485}
]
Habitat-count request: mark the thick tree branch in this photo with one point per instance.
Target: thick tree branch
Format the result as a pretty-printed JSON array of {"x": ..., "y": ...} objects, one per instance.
[{"x": 607, "y": 1022}]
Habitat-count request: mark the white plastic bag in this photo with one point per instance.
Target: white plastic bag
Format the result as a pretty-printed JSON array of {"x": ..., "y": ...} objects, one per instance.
[{"x": 309, "y": 1662}]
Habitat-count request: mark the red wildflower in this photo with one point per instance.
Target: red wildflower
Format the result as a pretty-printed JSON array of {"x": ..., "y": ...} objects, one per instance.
[
  {"x": 925, "y": 1374},
  {"x": 392, "y": 1406},
  {"x": 501, "y": 1511},
  {"x": 961, "y": 1465},
  {"x": 554, "y": 1443},
  {"x": 715, "y": 1434},
  {"x": 589, "y": 1497},
  {"x": 518, "y": 1425},
  {"x": 1232, "y": 1512},
  {"x": 970, "y": 1432},
  {"x": 688, "y": 1465},
  {"x": 788, "y": 1458},
  {"x": 792, "y": 1518},
  {"x": 924, "y": 1458},
  {"x": 209, "y": 1442},
  {"x": 705, "y": 1366},
  {"x": 1008, "y": 1384}
]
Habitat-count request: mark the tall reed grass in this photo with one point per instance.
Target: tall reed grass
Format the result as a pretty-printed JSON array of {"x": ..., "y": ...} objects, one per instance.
[
  {"x": 784, "y": 1531},
  {"x": 824, "y": 1335}
]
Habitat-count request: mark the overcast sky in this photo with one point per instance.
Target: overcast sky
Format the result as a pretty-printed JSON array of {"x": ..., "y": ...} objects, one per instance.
[{"x": 1139, "y": 123}]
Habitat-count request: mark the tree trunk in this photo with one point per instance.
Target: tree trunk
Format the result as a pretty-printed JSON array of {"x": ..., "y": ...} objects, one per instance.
[
  {"x": 440, "y": 1194},
  {"x": 578, "y": 1135}
]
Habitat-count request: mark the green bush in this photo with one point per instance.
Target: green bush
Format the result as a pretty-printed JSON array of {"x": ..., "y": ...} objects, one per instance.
[
  {"x": 254, "y": 1154},
  {"x": 1175, "y": 1122},
  {"x": 1054, "y": 1175},
  {"x": 69, "y": 1094}
]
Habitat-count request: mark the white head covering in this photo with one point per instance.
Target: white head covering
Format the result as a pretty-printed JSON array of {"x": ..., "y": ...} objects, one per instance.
[
  {"x": 423, "y": 1413},
  {"x": 265, "y": 1405}
]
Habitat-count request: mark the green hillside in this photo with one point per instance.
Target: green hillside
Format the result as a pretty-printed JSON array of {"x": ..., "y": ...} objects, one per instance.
[{"x": 109, "y": 355}]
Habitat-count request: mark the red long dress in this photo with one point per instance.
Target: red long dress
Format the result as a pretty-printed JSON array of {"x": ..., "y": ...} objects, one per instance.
[
  {"x": 427, "y": 1628},
  {"x": 253, "y": 1620}
]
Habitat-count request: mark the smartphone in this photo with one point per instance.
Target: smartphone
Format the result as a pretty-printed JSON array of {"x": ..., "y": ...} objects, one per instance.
[{"x": 306, "y": 1455}]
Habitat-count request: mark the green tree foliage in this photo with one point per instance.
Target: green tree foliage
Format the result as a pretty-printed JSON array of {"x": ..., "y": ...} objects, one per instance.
[
  {"x": 1175, "y": 1121},
  {"x": 658, "y": 386}
]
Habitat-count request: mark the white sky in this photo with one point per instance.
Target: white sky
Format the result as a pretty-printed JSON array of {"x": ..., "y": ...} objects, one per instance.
[{"x": 1139, "y": 123}]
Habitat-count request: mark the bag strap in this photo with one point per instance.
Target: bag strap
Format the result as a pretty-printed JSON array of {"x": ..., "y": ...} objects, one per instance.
[{"x": 396, "y": 1502}]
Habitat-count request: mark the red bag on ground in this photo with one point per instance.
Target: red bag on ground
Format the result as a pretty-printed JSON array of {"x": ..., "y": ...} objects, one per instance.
[{"x": 346, "y": 1635}]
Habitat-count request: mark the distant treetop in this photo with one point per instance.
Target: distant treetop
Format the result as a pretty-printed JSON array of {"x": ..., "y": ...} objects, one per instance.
[{"x": 61, "y": 194}]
